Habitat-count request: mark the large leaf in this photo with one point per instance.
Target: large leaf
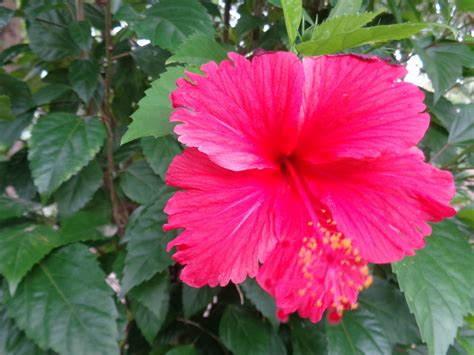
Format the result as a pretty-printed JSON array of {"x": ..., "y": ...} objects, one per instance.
[
  {"x": 140, "y": 183},
  {"x": 292, "y": 12},
  {"x": 79, "y": 189},
  {"x": 80, "y": 32},
  {"x": 461, "y": 131},
  {"x": 168, "y": 23},
  {"x": 6, "y": 113},
  {"x": 307, "y": 337},
  {"x": 152, "y": 116},
  {"x": 18, "y": 92},
  {"x": 47, "y": 94},
  {"x": 359, "y": 332},
  {"x": 197, "y": 50},
  {"x": 159, "y": 153},
  {"x": 245, "y": 334},
  {"x": 438, "y": 283},
  {"x": 82, "y": 226},
  {"x": 13, "y": 341},
  {"x": 150, "y": 301},
  {"x": 51, "y": 41},
  {"x": 18, "y": 175},
  {"x": 444, "y": 63},
  {"x": 62, "y": 144},
  {"x": 196, "y": 299},
  {"x": 261, "y": 299},
  {"x": 391, "y": 310},
  {"x": 146, "y": 248},
  {"x": 65, "y": 304},
  {"x": 21, "y": 247},
  {"x": 83, "y": 75},
  {"x": 336, "y": 42}
]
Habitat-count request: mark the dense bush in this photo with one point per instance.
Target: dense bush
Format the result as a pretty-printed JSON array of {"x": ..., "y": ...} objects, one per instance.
[{"x": 85, "y": 144}]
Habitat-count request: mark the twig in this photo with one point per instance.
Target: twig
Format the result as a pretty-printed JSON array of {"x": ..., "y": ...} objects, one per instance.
[
  {"x": 204, "y": 330},
  {"x": 226, "y": 21},
  {"x": 80, "y": 10},
  {"x": 241, "y": 295},
  {"x": 258, "y": 9}
]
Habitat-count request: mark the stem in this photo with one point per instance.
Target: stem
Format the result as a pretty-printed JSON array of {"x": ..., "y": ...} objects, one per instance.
[
  {"x": 118, "y": 212},
  {"x": 441, "y": 151},
  {"x": 80, "y": 10},
  {"x": 258, "y": 13},
  {"x": 226, "y": 21},
  {"x": 198, "y": 326}
]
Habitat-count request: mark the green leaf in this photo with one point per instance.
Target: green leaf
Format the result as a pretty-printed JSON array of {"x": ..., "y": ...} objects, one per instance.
[
  {"x": 345, "y": 7},
  {"x": 391, "y": 310},
  {"x": 244, "y": 334},
  {"x": 151, "y": 59},
  {"x": 339, "y": 41},
  {"x": 80, "y": 32},
  {"x": 462, "y": 129},
  {"x": 10, "y": 131},
  {"x": 150, "y": 302},
  {"x": 12, "y": 208},
  {"x": 6, "y": 113},
  {"x": 196, "y": 299},
  {"x": 18, "y": 175},
  {"x": 438, "y": 285},
  {"x": 83, "y": 76},
  {"x": 82, "y": 226},
  {"x": 146, "y": 248},
  {"x": 261, "y": 299},
  {"x": 159, "y": 153},
  {"x": 293, "y": 12},
  {"x": 341, "y": 25},
  {"x": 51, "y": 41},
  {"x": 359, "y": 332},
  {"x": 465, "y": 5},
  {"x": 444, "y": 63},
  {"x": 79, "y": 189},
  {"x": 19, "y": 93},
  {"x": 140, "y": 183},
  {"x": 47, "y": 94},
  {"x": 64, "y": 304},
  {"x": 6, "y": 15},
  {"x": 21, "y": 247},
  {"x": 13, "y": 341},
  {"x": 152, "y": 116},
  {"x": 307, "y": 337},
  {"x": 168, "y": 23},
  {"x": 62, "y": 144},
  {"x": 197, "y": 50}
]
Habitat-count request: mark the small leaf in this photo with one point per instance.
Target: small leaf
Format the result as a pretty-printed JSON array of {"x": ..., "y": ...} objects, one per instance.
[
  {"x": 307, "y": 337},
  {"x": 146, "y": 248},
  {"x": 339, "y": 41},
  {"x": 159, "y": 153},
  {"x": 168, "y": 23},
  {"x": 151, "y": 59},
  {"x": 197, "y": 50},
  {"x": 82, "y": 226},
  {"x": 21, "y": 247},
  {"x": 438, "y": 285},
  {"x": 11, "y": 208},
  {"x": 83, "y": 76},
  {"x": 293, "y": 12},
  {"x": 80, "y": 32},
  {"x": 51, "y": 41},
  {"x": 6, "y": 15},
  {"x": 140, "y": 183},
  {"x": 444, "y": 63},
  {"x": 244, "y": 334},
  {"x": 6, "y": 113},
  {"x": 182, "y": 350},
  {"x": 359, "y": 332},
  {"x": 150, "y": 301},
  {"x": 47, "y": 94},
  {"x": 65, "y": 304},
  {"x": 462, "y": 129},
  {"x": 62, "y": 144},
  {"x": 261, "y": 299},
  {"x": 152, "y": 116},
  {"x": 18, "y": 92},
  {"x": 79, "y": 189},
  {"x": 196, "y": 299}
]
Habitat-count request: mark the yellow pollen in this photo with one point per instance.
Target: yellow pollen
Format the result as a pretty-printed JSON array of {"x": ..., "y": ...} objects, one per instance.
[
  {"x": 325, "y": 240},
  {"x": 356, "y": 251},
  {"x": 301, "y": 292},
  {"x": 332, "y": 290},
  {"x": 358, "y": 259},
  {"x": 323, "y": 210},
  {"x": 333, "y": 223},
  {"x": 369, "y": 281},
  {"x": 355, "y": 306},
  {"x": 351, "y": 283},
  {"x": 319, "y": 224},
  {"x": 364, "y": 270},
  {"x": 346, "y": 243},
  {"x": 310, "y": 223},
  {"x": 319, "y": 303},
  {"x": 329, "y": 220}
]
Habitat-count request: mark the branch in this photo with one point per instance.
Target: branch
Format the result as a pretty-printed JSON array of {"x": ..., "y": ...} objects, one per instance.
[{"x": 226, "y": 21}]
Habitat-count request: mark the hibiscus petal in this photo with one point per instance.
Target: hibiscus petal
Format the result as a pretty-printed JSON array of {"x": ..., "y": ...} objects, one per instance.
[
  {"x": 356, "y": 106},
  {"x": 383, "y": 204},
  {"x": 229, "y": 219},
  {"x": 243, "y": 114}
]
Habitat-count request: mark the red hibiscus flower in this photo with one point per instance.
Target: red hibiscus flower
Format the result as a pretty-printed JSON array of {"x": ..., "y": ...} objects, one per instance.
[{"x": 299, "y": 173}]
